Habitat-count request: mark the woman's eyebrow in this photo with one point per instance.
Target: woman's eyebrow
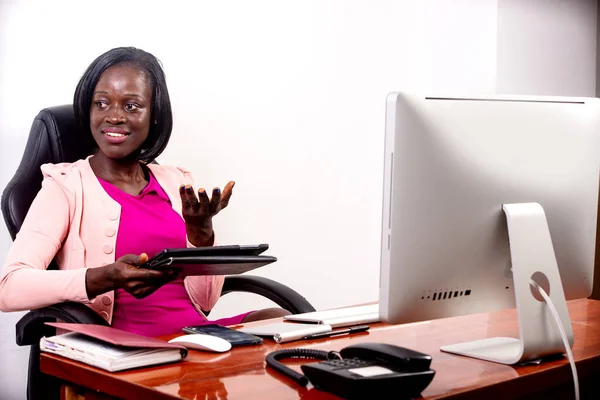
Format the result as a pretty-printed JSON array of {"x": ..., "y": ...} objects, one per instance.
[{"x": 126, "y": 94}]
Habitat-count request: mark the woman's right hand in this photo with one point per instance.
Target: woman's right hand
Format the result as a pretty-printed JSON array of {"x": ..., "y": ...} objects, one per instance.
[{"x": 125, "y": 274}]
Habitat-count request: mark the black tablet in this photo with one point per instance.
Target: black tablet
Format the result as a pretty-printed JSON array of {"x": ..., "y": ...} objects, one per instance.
[
  {"x": 212, "y": 265},
  {"x": 224, "y": 250}
]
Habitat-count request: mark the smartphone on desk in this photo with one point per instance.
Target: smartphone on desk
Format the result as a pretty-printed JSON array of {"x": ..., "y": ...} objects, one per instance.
[{"x": 235, "y": 337}]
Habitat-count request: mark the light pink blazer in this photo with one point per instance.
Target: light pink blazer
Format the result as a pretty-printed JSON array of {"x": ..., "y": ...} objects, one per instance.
[{"x": 74, "y": 219}]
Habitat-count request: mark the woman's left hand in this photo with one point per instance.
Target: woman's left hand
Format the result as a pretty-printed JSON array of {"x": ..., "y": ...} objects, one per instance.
[{"x": 198, "y": 212}]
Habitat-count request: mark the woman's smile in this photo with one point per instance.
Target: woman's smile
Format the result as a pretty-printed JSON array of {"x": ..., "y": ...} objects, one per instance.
[{"x": 115, "y": 135}]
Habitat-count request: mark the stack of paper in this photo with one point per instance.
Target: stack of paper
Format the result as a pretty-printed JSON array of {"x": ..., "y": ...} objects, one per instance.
[
  {"x": 282, "y": 332},
  {"x": 300, "y": 326},
  {"x": 109, "y": 348},
  {"x": 339, "y": 317}
]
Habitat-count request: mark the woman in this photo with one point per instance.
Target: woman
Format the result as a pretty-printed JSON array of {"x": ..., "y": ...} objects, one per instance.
[{"x": 102, "y": 217}]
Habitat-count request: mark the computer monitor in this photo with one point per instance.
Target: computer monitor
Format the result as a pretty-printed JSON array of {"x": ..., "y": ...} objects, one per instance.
[{"x": 461, "y": 175}]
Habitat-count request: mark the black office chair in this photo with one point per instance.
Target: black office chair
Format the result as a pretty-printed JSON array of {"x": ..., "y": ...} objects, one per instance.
[{"x": 54, "y": 138}]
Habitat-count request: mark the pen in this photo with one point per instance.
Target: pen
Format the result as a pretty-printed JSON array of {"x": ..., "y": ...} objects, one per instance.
[{"x": 353, "y": 329}]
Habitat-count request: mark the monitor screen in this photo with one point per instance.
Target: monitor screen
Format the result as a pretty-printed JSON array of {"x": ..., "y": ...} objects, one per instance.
[{"x": 451, "y": 163}]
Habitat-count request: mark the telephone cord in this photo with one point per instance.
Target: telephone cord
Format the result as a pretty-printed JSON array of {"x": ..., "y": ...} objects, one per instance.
[
  {"x": 274, "y": 357},
  {"x": 563, "y": 334}
]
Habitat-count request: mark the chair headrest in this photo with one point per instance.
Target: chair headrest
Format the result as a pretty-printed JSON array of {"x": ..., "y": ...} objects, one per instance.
[{"x": 53, "y": 138}]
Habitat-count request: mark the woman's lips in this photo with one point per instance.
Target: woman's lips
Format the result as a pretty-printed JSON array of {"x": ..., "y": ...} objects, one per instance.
[{"x": 115, "y": 136}]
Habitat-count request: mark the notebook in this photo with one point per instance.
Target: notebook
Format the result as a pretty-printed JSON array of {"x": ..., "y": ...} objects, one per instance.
[
  {"x": 109, "y": 348},
  {"x": 339, "y": 317},
  {"x": 282, "y": 332}
]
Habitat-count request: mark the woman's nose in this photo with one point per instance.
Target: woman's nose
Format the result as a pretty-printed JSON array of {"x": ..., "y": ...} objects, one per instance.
[{"x": 116, "y": 115}]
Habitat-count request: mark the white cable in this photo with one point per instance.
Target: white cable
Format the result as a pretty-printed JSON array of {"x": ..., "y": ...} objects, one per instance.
[{"x": 561, "y": 328}]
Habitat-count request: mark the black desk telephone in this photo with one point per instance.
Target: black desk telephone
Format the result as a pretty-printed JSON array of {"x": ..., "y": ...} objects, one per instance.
[{"x": 361, "y": 371}]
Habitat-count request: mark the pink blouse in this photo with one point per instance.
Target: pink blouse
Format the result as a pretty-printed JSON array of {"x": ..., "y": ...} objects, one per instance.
[{"x": 148, "y": 224}]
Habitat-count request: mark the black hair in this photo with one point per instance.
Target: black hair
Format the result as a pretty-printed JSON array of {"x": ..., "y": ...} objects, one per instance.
[{"x": 161, "y": 117}]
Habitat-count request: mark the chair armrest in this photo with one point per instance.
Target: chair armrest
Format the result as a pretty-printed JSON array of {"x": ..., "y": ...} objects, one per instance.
[
  {"x": 282, "y": 295},
  {"x": 31, "y": 327}
]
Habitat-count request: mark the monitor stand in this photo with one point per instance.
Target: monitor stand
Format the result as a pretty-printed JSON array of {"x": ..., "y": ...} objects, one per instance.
[{"x": 532, "y": 256}]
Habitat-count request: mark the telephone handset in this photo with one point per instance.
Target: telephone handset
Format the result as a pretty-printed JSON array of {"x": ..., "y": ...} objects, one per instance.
[{"x": 365, "y": 370}]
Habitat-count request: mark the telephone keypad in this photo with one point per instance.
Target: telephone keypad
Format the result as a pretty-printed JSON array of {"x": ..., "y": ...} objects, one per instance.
[{"x": 348, "y": 363}]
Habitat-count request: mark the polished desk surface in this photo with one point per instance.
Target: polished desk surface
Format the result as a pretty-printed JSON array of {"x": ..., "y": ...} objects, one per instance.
[{"x": 242, "y": 374}]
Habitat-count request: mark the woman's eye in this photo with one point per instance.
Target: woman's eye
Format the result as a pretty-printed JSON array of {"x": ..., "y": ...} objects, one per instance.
[
  {"x": 101, "y": 104},
  {"x": 131, "y": 107}
]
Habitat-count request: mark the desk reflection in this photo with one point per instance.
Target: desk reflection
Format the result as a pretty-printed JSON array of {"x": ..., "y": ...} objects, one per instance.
[
  {"x": 235, "y": 385},
  {"x": 216, "y": 391},
  {"x": 301, "y": 390},
  {"x": 217, "y": 388}
]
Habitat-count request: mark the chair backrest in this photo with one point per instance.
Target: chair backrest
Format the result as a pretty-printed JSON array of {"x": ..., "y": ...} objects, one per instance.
[{"x": 54, "y": 137}]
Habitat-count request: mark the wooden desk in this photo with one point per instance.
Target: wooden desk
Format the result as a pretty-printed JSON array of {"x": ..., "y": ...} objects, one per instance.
[{"x": 241, "y": 373}]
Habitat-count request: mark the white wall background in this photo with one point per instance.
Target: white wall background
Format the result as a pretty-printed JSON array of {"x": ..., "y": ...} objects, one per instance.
[
  {"x": 547, "y": 47},
  {"x": 288, "y": 100}
]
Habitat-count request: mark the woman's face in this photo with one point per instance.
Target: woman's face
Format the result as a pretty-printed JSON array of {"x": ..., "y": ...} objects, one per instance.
[{"x": 121, "y": 110}]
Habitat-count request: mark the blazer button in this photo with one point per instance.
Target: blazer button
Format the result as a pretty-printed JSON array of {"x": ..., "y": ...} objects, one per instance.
[
  {"x": 113, "y": 215},
  {"x": 110, "y": 232},
  {"x": 104, "y": 315},
  {"x": 106, "y": 301},
  {"x": 107, "y": 249}
]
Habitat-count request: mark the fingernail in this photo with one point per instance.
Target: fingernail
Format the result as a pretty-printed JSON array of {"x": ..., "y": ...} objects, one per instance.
[{"x": 217, "y": 190}]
